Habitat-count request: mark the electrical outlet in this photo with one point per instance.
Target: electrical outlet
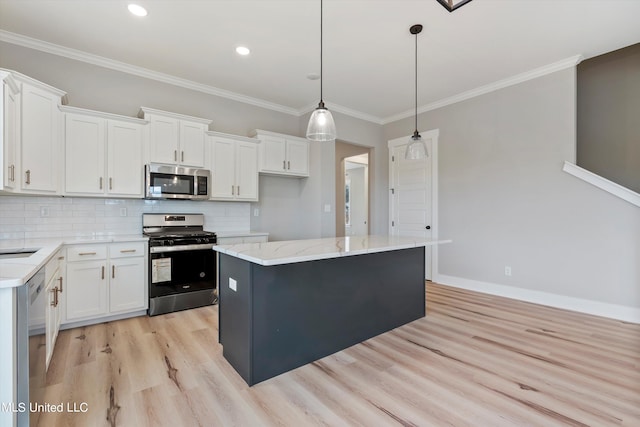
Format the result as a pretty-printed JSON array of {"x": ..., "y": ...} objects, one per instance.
[
  {"x": 507, "y": 270},
  {"x": 327, "y": 208},
  {"x": 256, "y": 212},
  {"x": 233, "y": 285},
  {"x": 123, "y": 211},
  {"x": 44, "y": 211}
]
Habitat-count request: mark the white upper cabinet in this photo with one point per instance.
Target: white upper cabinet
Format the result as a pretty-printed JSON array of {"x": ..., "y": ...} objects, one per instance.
[
  {"x": 281, "y": 154},
  {"x": 125, "y": 162},
  {"x": 233, "y": 161},
  {"x": 9, "y": 148},
  {"x": 174, "y": 138},
  {"x": 40, "y": 139},
  {"x": 103, "y": 154}
]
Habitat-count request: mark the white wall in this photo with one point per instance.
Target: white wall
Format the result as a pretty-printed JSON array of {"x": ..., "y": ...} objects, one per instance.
[{"x": 505, "y": 201}]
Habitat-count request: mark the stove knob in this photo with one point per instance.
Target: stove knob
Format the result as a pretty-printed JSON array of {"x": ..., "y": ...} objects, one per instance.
[
  {"x": 198, "y": 240},
  {"x": 170, "y": 242},
  {"x": 206, "y": 240}
]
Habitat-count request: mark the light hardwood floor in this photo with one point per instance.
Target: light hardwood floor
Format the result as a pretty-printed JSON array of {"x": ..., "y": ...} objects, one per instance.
[{"x": 474, "y": 360}]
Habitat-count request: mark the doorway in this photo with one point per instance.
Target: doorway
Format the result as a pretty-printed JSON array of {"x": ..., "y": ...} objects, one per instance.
[
  {"x": 352, "y": 196},
  {"x": 356, "y": 195}
]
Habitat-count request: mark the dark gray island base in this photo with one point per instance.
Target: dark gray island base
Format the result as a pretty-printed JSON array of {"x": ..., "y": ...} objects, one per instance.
[{"x": 284, "y": 316}]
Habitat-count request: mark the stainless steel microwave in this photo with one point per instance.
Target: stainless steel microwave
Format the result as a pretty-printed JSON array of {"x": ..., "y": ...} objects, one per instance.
[{"x": 176, "y": 182}]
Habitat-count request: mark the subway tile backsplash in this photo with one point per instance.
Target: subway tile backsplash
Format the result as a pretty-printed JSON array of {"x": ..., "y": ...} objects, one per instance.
[{"x": 26, "y": 217}]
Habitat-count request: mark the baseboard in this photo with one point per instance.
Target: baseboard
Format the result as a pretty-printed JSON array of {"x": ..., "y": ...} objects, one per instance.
[
  {"x": 87, "y": 322},
  {"x": 612, "y": 311}
]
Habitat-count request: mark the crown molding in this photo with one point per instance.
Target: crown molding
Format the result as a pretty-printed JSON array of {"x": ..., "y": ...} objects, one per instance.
[
  {"x": 78, "y": 55},
  {"x": 500, "y": 84},
  {"x": 343, "y": 110}
]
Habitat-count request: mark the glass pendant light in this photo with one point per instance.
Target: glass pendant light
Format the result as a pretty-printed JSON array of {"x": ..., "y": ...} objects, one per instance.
[
  {"x": 321, "y": 126},
  {"x": 416, "y": 149}
]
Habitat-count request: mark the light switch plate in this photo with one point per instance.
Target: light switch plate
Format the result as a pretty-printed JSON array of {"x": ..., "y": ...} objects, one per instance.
[{"x": 233, "y": 285}]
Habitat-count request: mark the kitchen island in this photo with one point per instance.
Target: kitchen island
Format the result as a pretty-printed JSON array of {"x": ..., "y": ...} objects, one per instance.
[{"x": 285, "y": 304}]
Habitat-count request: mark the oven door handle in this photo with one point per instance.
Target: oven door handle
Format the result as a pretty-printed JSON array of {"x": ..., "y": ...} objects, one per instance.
[{"x": 180, "y": 248}]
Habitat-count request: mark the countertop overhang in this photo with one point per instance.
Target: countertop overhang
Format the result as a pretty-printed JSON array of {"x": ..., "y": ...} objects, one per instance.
[{"x": 292, "y": 251}]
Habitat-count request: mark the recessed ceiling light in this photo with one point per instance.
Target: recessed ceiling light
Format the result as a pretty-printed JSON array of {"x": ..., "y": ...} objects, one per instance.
[
  {"x": 137, "y": 10},
  {"x": 242, "y": 50}
]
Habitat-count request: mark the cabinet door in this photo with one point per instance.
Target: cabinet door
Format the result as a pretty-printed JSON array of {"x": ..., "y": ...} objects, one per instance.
[
  {"x": 246, "y": 171},
  {"x": 163, "y": 139},
  {"x": 272, "y": 154},
  {"x": 40, "y": 144},
  {"x": 124, "y": 159},
  {"x": 52, "y": 311},
  {"x": 84, "y": 155},
  {"x": 298, "y": 157},
  {"x": 86, "y": 290},
  {"x": 10, "y": 139},
  {"x": 223, "y": 173},
  {"x": 127, "y": 285},
  {"x": 191, "y": 144}
]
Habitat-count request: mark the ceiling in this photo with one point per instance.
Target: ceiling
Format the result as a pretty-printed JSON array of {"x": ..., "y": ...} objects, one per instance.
[{"x": 368, "y": 50}]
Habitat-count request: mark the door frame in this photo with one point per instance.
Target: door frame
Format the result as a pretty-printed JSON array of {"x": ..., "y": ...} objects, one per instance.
[{"x": 432, "y": 134}]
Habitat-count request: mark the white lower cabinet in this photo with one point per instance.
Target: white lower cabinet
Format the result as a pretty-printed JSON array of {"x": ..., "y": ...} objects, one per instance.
[{"x": 105, "y": 279}]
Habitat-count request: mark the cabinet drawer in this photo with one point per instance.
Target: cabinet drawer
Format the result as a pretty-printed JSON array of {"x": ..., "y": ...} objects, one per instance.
[
  {"x": 126, "y": 249},
  {"x": 86, "y": 252}
]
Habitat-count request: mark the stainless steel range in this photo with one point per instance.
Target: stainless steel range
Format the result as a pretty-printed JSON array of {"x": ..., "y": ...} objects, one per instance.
[{"x": 182, "y": 265}]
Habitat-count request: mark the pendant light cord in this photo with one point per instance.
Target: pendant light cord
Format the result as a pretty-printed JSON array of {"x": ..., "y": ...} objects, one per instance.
[
  {"x": 416, "y": 85},
  {"x": 321, "y": 100}
]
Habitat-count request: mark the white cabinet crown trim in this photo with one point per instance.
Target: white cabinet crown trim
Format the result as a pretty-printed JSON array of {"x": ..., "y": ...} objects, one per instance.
[
  {"x": 38, "y": 84},
  {"x": 101, "y": 114},
  {"x": 146, "y": 110},
  {"x": 231, "y": 136}
]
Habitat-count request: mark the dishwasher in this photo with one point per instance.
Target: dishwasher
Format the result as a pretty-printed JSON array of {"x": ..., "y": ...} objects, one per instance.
[{"x": 30, "y": 350}]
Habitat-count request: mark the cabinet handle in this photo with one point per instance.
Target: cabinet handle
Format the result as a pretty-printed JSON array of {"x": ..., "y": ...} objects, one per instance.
[
  {"x": 175, "y": 155},
  {"x": 238, "y": 190},
  {"x": 284, "y": 165},
  {"x": 103, "y": 272},
  {"x": 288, "y": 164},
  {"x": 125, "y": 251},
  {"x": 55, "y": 297},
  {"x": 110, "y": 183},
  {"x": 182, "y": 156},
  {"x": 12, "y": 168},
  {"x": 60, "y": 279},
  {"x": 60, "y": 258},
  {"x": 100, "y": 183},
  {"x": 28, "y": 173},
  {"x": 233, "y": 190},
  {"x": 113, "y": 271},
  {"x": 86, "y": 253}
]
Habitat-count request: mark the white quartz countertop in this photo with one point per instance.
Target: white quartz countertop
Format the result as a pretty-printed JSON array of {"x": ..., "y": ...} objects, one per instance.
[
  {"x": 17, "y": 271},
  {"x": 291, "y": 251}
]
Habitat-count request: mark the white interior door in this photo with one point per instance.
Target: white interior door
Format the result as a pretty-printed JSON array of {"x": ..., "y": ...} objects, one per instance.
[{"x": 411, "y": 195}]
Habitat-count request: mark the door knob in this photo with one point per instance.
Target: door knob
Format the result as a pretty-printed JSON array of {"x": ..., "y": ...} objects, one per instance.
[{"x": 428, "y": 227}]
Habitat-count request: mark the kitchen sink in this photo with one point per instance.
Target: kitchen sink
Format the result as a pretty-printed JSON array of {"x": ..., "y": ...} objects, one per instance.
[{"x": 17, "y": 254}]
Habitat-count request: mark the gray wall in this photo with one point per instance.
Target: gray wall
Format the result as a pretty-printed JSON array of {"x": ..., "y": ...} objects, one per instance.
[
  {"x": 609, "y": 116},
  {"x": 505, "y": 201},
  {"x": 289, "y": 208}
]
